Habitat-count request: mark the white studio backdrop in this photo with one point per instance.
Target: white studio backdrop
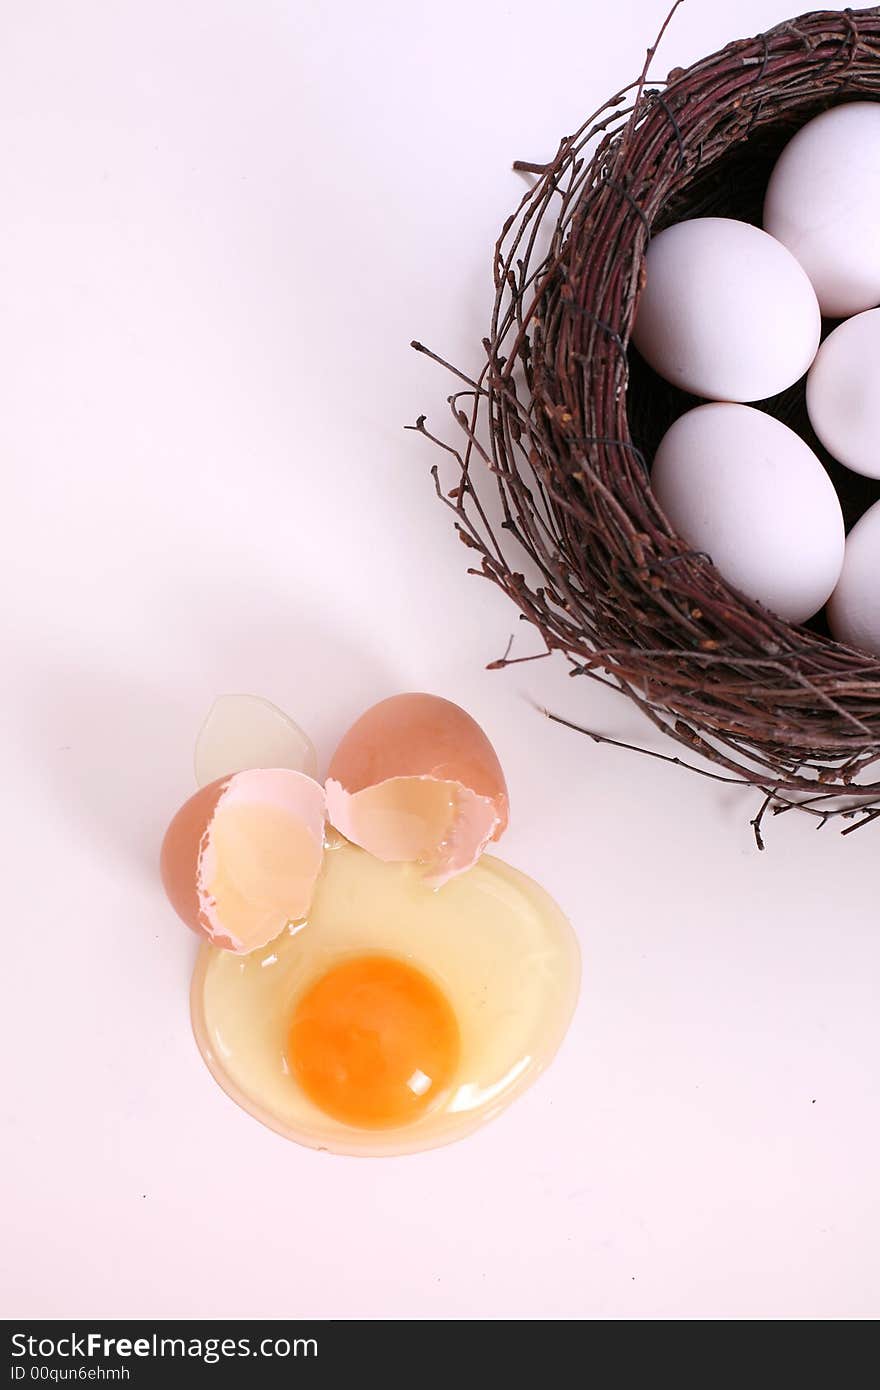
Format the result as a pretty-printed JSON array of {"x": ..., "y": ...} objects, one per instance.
[{"x": 222, "y": 225}]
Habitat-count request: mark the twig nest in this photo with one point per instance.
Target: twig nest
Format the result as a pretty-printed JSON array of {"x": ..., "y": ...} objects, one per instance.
[{"x": 565, "y": 417}]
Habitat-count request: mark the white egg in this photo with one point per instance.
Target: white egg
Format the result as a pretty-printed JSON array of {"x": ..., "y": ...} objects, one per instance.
[
  {"x": 854, "y": 607},
  {"x": 843, "y": 400},
  {"x": 744, "y": 488},
  {"x": 823, "y": 203},
  {"x": 726, "y": 311}
]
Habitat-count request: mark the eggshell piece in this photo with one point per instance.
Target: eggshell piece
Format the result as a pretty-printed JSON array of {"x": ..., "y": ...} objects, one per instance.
[
  {"x": 416, "y": 778},
  {"x": 246, "y": 731},
  {"x": 180, "y": 853},
  {"x": 854, "y": 607},
  {"x": 741, "y": 486},
  {"x": 241, "y": 858},
  {"x": 726, "y": 311},
  {"x": 823, "y": 203},
  {"x": 843, "y": 401}
]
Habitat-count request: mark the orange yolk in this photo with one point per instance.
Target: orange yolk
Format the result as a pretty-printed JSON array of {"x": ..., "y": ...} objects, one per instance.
[{"x": 373, "y": 1042}]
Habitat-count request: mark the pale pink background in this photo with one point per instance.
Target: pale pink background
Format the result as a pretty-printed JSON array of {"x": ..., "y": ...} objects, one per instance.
[{"x": 221, "y": 225}]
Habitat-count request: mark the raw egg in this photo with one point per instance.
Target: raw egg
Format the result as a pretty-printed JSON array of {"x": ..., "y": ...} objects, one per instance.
[
  {"x": 373, "y": 1042},
  {"x": 395, "y": 1018},
  {"x": 415, "y": 779},
  {"x": 240, "y": 859}
]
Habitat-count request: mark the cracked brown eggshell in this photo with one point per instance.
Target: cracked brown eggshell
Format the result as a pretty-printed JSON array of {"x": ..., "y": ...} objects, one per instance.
[{"x": 416, "y": 779}]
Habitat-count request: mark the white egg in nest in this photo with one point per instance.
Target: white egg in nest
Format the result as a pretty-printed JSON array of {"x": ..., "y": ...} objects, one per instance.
[
  {"x": 742, "y": 487},
  {"x": 843, "y": 399},
  {"x": 726, "y": 311},
  {"x": 854, "y": 607},
  {"x": 823, "y": 203}
]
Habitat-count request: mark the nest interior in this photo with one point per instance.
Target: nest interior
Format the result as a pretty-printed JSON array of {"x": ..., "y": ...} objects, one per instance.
[{"x": 564, "y": 417}]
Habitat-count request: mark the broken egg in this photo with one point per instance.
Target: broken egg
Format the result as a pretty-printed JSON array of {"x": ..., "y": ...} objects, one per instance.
[
  {"x": 415, "y": 779},
  {"x": 246, "y": 731},
  {"x": 240, "y": 859},
  {"x": 394, "y": 1018},
  {"x": 338, "y": 998}
]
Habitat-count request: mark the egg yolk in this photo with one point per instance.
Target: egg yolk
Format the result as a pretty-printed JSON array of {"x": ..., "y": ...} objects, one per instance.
[{"x": 373, "y": 1042}]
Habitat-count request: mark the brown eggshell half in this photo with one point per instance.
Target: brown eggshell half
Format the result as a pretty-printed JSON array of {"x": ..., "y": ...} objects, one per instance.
[
  {"x": 189, "y": 862},
  {"x": 425, "y": 738},
  {"x": 415, "y": 735},
  {"x": 179, "y": 856}
]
